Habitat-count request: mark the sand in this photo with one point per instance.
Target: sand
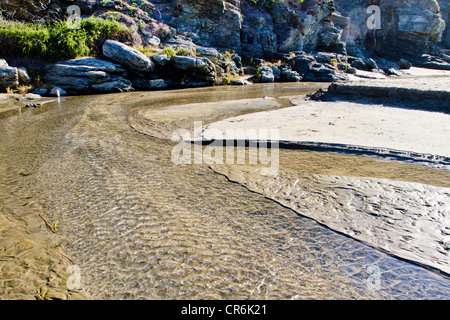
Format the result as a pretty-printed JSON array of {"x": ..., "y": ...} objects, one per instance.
[
  {"x": 347, "y": 123},
  {"x": 355, "y": 123},
  {"x": 408, "y": 220}
]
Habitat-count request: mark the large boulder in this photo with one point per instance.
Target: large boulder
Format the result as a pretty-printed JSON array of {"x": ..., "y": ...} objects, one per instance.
[
  {"x": 129, "y": 57},
  {"x": 266, "y": 74},
  {"x": 320, "y": 67},
  {"x": 194, "y": 69},
  {"x": 88, "y": 75},
  {"x": 9, "y": 76}
]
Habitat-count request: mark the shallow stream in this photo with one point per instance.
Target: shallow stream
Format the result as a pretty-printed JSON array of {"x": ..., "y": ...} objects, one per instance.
[{"x": 141, "y": 227}]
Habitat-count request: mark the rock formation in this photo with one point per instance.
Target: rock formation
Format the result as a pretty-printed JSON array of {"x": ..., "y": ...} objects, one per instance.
[
  {"x": 405, "y": 27},
  {"x": 88, "y": 75},
  {"x": 316, "y": 40}
]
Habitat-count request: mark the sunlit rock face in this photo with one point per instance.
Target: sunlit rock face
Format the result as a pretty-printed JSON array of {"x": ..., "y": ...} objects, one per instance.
[{"x": 405, "y": 26}]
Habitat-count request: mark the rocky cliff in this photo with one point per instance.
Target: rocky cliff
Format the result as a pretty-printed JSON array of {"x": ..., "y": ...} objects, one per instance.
[
  {"x": 259, "y": 30},
  {"x": 312, "y": 40},
  {"x": 405, "y": 26}
]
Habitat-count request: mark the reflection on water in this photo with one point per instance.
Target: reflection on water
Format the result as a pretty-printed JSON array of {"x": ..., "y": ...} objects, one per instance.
[{"x": 139, "y": 226}]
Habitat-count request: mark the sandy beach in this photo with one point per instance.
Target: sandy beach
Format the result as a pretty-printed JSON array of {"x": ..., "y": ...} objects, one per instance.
[
  {"x": 347, "y": 123},
  {"x": 362, "y": 123}
]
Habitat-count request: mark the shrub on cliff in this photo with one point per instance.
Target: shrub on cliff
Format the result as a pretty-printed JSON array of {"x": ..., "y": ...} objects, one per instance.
[{"x": 57, "y": 41}]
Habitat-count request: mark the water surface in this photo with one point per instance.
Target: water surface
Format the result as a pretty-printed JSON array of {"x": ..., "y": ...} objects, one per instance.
[{"x": 141, "y": 227}]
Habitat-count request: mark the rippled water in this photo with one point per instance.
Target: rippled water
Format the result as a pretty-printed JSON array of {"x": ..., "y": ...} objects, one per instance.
[{"x": 141, "y": 227}]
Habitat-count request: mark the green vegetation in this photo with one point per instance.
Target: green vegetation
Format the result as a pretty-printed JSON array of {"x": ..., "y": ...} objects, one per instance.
[
  {"x": 57, "y": 41},
  {"x": 181, "y": 51},
  {"x": 228, "y": 78},
  {"x": 169, "y": 51},
  {"x": 148, "y": 51}
]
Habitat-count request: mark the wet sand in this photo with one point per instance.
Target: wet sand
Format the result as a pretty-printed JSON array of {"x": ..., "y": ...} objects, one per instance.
[{"x": 406, "y": 219}]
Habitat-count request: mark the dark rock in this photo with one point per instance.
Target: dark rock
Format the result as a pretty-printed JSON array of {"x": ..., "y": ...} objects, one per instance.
[
  {"x": 302, "y": 63},
  {"x": 324, "y": 73},
  {"x": 351, "y": 70},
  {"x": 404, "y": 64},
  {"x": 161, "y": 60},
  {"x": 237, "y": 60},
  {"x": 146, "y": 84},
  {"x": 185, "y": 69},
  {"x": 288, "y": 75},
  {"x": 365, "y": 64},
  {"x": 40, "y": 91},
  {"x": 250, "y": 71},
  {"x": 157, "y": 84},
  {"x": 9, "y": 77},
  {"x": 393, "y": 72}
]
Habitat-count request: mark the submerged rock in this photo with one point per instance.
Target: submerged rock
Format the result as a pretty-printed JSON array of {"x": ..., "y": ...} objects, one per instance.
[{"x": 58, "y": 92}]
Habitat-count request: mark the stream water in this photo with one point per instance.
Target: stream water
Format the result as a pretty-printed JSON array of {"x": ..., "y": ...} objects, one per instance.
[{"x": 141, "y": 227}]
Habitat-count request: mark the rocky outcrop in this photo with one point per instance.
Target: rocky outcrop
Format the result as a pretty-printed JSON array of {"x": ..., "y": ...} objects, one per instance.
[
  {"x": 209, "y": 23},
  {"x": 187, "y": 71},
  {"x": 253, "y": 30},
  {"x": 88, "y": 75},
  {"x": 320, "y": 67},
  {"x": 135, "y": 71},
  {"x": 23, "y": 9},
  {"x": 406, "y": 27}
]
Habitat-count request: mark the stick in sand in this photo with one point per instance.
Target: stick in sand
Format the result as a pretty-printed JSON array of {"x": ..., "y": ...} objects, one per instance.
[
  {"x": 48, "y": 225},
  {"x": 63, "y": 254}
]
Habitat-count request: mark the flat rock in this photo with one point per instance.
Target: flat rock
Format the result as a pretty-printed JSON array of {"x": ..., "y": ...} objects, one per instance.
[{"x": 88, "y": 75}]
